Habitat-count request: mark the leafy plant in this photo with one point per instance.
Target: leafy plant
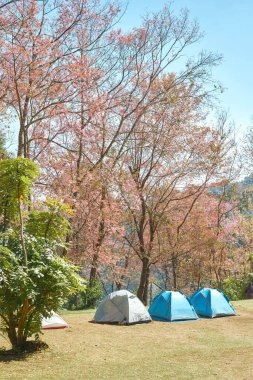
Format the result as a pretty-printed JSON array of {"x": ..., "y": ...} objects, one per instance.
[
  {"x": 85, "y": 300},
  {"x": 34, "y": 280},
  {"x": 16, "y": 178},
  {"x": 3, "y": 151},
  {"x": 234, "y": 287},
  {"x": 29, "y": 293},
  {"x": 51, "y": 222}
]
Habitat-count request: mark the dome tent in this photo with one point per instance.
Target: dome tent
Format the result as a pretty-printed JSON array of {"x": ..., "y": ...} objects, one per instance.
[
  {"x": 53, "y": 322},
  {"x": 211, "y": 303},
  {"x": 121, "y": 307},
  {"x": 170, "y": 306}
]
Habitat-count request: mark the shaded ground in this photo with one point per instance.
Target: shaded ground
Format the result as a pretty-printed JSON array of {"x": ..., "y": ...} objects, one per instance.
[{"x": 210, "y": 349}]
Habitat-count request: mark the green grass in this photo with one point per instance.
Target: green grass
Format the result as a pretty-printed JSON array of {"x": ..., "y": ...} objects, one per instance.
[{"x": 219, "y": 349}]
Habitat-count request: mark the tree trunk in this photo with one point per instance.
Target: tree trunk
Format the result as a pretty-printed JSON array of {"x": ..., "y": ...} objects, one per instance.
[
  {"x": 93, "y": 270},
  {"x": 174, "y": 271},
  {"x": 20, "y": 142},
  {"x": 21, "y": 336},
  {"x": 143, "y": 286},
  {"x": 118, "y": 285},
  {"x": 167, "y": 280},
  {"x": 123, "y": 277},
  {"x": 145, "y": 295},
  {"x": 101, "y": 235},
  {"x": 199, "y": 277},
  {"x": 12, "y": 335}
]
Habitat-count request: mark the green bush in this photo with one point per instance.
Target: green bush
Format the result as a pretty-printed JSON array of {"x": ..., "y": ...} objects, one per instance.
[
  {"x": 234, "y": 287},
  {"x": 93, "y": 294},
  {"x": 34, "y": 280},
  {"x": 85, "y": 300},
  {"x": 28, "y": 293}
]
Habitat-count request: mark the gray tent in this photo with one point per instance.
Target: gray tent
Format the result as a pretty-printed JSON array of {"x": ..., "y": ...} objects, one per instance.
[{"x": 121, "y": 307}]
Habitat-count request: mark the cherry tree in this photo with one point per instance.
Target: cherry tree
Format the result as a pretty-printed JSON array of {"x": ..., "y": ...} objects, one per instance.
[
  {"x": 115, "y": 85},
  {"x": 36, "y": 42},
  {"x": 171, "y": 160}
]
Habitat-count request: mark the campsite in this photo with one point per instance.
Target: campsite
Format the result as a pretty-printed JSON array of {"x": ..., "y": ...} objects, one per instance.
[{"x": 218, "y": 348}]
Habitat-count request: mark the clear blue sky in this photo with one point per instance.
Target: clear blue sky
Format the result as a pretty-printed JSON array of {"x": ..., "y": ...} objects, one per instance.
[{"x": 228, "y": 29}]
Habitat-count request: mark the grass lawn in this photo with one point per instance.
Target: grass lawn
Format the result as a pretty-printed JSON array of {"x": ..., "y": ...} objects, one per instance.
[{"x": 219, "y": 349}]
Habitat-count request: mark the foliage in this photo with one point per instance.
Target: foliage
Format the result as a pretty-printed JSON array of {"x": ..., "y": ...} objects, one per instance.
[
  {"x": 3, "y": 151},
  {"x": 29, "y": 293},
  {"x": 42, "y": 286},
  {"x": 87, "y": 299},
  {"x": 50, "y": 223},
  {"x": 234, "y": 287},
  {"x": 34, "y": 280},
  {"x": 16, "y": 176}
]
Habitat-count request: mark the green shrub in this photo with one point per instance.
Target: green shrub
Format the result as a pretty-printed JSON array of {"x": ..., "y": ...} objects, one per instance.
[
  {"x": 234, "y": 287},
  {"x": 28, "y": 293},
  {"x": 85, "y": 300},
  {"x": 34, "y": 280},
  {"x": 93, "y": 294}
]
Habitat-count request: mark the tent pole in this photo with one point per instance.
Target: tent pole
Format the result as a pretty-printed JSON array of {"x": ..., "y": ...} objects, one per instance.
[{"x": 159, "y": 287}]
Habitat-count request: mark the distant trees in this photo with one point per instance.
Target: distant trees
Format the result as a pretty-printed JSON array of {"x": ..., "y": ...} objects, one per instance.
[
  {"x": 3, "y": 151},
  {"x": 248, "y": 152}
]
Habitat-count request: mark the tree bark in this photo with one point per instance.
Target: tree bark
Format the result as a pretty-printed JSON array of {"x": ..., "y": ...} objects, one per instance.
[
  {"x": 145, "y": 295},
  {"x": 174, "y": 271},
  {"x": 20, "y": 142},
  {"x": 12, "y": 335},
  {"x": 101, "y": 235},
  {"x": 144, "y": 281},
  {"x": 21, "y": 336},
  {"x": 93, "y": 269}
]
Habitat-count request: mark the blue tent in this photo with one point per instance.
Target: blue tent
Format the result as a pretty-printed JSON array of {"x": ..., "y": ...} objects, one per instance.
[
  {"x": 172, "y": 306},
  {"x": 211, "y": 303}
]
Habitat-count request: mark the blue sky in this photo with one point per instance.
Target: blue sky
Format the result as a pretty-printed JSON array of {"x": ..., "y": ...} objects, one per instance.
[{"x": 228, "y": 30}]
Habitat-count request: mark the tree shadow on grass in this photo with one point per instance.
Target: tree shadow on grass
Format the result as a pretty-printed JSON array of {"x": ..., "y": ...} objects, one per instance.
[{"x": 31, "y": 347}]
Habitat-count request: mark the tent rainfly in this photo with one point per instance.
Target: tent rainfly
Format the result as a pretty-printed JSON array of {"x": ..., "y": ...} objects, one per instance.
[
  {"x": 172, "y": 306},
  {"x": 121, "y": 307},
  {"x": 211, "y": 303},
  {"x": 53, "y": 322}
]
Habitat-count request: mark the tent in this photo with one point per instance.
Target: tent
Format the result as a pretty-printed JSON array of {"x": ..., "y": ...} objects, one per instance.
[
  {"x": 211, "y": 303},
  {"x": 172, "y": 306},
  {"x": 53, "y": 322},
  {"x": 121, "y": 307}
]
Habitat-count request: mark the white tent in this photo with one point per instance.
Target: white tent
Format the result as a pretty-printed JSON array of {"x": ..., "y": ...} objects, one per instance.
[
  {"x": 121, "y": 307},
  {"x": 53, "y": 322}
]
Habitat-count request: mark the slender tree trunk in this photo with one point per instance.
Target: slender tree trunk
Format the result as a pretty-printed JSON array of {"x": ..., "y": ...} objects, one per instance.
[
  {"x": 20, "y": 142},
  {"x": 101, "y": 235},
  {"x": 142, "y": 290},
  {"x": 118, "y": 285},
  {"x": 76, "y": 301},
  {"x": 123, "y": 277},
  {"x": 165, "y": 282},
  {"x": 199, "y": 276},
  {"x": 93, "y": 270},
  {"x": 145, "y": 295},
  {"x": 21, "y": 221},
  {"x": 174, "y": 271}
]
